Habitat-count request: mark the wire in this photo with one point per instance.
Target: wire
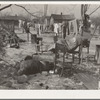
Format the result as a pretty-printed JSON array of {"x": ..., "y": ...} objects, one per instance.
[
  {"x": 5, "y": 7},
  {"x": 94, "y": 10}
]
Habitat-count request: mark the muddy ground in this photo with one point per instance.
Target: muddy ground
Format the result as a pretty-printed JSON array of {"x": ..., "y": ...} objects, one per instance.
[{"x": 42, "y": 81}]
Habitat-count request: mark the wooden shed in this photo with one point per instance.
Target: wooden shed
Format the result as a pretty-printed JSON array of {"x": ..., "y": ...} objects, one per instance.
[
  {"x": 9, "y": 22},
  {"x": 59, "y": 18}
]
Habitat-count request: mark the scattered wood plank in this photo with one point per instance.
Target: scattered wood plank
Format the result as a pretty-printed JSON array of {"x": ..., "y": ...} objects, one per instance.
[{"x": 89, "y": 81}]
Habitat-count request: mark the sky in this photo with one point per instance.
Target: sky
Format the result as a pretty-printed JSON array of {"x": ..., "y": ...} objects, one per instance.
[{"x": 52, "y": 9}]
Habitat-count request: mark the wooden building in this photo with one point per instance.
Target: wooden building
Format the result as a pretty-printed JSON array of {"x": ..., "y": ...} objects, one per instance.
[
  {"x": 59, "y": 18},
  {"x": 10, "y": 22}
]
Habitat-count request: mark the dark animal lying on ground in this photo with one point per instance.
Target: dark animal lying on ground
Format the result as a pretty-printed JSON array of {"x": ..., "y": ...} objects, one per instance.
[
  {"x": 33, "y": 66},
  {"x": 29, "y": 67},
  {"x": 28, "y": 57}
]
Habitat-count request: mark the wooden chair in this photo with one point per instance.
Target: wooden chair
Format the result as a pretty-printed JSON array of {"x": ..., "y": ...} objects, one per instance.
[
  {"x": 62, "y": 49},
  {"x": 74, "y": 53}
]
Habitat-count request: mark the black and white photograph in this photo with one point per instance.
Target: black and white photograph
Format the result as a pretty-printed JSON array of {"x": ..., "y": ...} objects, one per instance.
[{"x": 49, "y": 46}]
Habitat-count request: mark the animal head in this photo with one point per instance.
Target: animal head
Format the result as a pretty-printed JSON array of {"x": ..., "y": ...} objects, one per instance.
[{"x": 28, "y": 57}]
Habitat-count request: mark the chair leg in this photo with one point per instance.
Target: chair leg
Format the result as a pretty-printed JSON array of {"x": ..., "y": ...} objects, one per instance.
[
  {"x": 73, "y": 58},
  {"x": 79, "y": 57},
  {"x": 80, "y": 54},
  {"x": 41, "y": 47},
  {"x": 67, "y": 55},
  {"x": 87, "y": 54},
  {"x": 95, "y": 56}
]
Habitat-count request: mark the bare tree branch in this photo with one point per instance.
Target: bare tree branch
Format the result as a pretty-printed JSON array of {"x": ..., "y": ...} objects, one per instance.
[
  {"x": 5, "y": 7},
  {"x": 37, "y": 12},
  {"x": 27, "y": 10}
]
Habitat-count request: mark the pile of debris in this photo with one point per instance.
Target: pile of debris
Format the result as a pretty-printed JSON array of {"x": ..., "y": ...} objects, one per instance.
[{"x": 34, "y": 72}]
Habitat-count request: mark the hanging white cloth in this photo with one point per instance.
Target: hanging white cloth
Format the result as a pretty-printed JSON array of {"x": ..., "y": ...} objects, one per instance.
[{"x": 56, "y": 28}]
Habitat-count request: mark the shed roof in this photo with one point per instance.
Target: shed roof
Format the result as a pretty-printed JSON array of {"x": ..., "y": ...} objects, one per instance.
[
  {"x": 15, "y": 18},
  {"x": 63, "y": 17}
]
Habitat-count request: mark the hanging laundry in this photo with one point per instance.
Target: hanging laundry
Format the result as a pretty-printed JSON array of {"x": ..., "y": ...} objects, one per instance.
[{"x": 56, "y": 28}]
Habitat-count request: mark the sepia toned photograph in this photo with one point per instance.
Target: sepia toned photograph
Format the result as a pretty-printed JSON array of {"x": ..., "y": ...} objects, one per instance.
[{"x": 49, "y": 46}]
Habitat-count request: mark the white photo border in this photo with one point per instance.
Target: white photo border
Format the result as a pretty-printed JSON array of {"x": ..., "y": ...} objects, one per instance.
[{"x": 50, "y": 94}]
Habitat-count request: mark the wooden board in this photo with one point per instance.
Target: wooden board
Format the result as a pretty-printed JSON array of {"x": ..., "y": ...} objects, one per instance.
[
  {"x": 98, "y": 53},
  {"x": 89, "y": 81},
  {"x": 66, "y": 60}
]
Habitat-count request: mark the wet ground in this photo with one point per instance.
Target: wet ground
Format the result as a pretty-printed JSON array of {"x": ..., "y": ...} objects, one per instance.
[{"x": 44, "y": 80}]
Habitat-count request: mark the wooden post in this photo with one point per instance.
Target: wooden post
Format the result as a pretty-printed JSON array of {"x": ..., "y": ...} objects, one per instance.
[
  {"x": 63, "y": 62},
  {"x": 73, "y": 57},
  {"x": 98, "y": 53},
  {"x": 56, "y": 51},
  {"x": 55, "y": 62},
  {"x": 81, "y": 47},
  {"x": 98, "y": 62},
  {"x": 87, "y": 54},
  {"x": 81, "y": 53},
  {"x": 99, "y": 79}
]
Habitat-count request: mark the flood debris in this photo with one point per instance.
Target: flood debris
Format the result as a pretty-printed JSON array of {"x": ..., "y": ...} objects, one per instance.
[
  {"x": 22, "y": 79},
  {"x": 35, "y": 80},
  {"x": 32, "y": 59},
  {"x": 89, "y": 81}
]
